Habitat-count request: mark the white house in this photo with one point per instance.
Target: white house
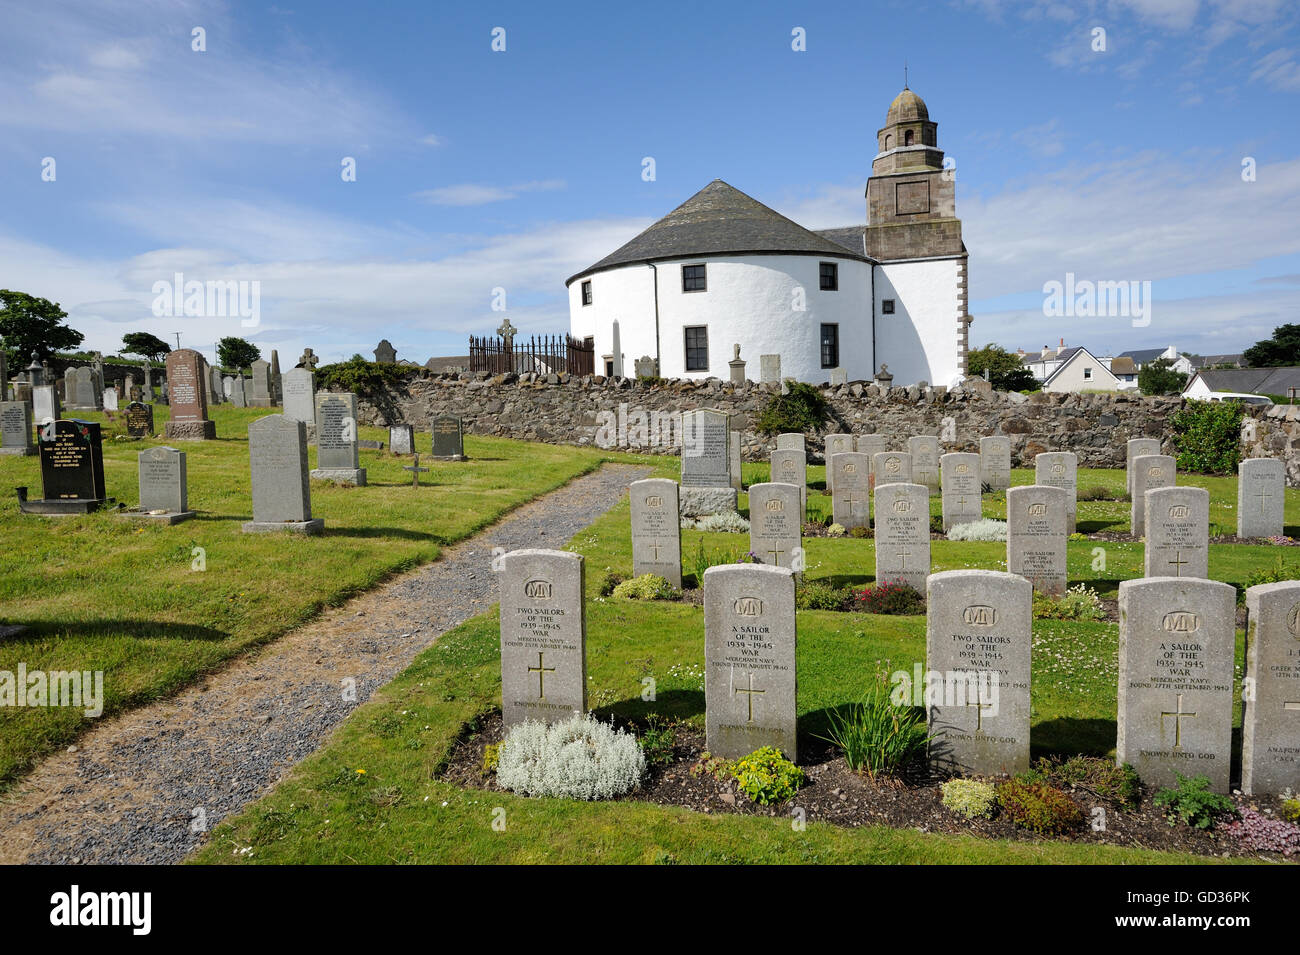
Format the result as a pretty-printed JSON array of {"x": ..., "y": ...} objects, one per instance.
[
  {"x": 1144, "y": 356},
  {"x": 722, "y": 269},
  {"x": 1079, "y": 370}
]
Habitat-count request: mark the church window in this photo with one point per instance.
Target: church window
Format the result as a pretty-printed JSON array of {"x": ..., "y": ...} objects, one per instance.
[
  {"x": 697, "y": 347},
  {"x": 830, "y": 346},
  {"x": 889, "y": 141},
  {"x": 830, "y": 277},
  {"x": 907, "y": 138},
  {"x": 886, "y": 306},
  {"x": 694, "y": 279},
  {"x": 586, "y": 292}
]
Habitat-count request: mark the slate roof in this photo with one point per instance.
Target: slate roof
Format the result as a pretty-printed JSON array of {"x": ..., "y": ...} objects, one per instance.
[
  {"x": 1123, "y": 365},
  {"x": 1250, "y": 381},
  {"x": 1209, "y": 361},
  {"x": 720, "y": 220},
  {"x": 852, "y": 237},
  {"x": 1143, "y": 355}
]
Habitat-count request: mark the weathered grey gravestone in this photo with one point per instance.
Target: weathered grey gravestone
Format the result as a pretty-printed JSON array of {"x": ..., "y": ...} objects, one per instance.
[
  {"x": 187, "y": 380},
  {"x": 164, "y": 495},
  {"x": 1261, "y": 487},
  {"x": 260, "y": 396},
  {"x": 227, "y": 386},
  {"x": 543, "y": 636},
  {"x": 83, "y": 395},
  {"x": 871, "y": 445},
  {"x": 656, "y": 530},
  {"x": 401, "y": 439},
  {"x": 139, "y": 420},
  {"x": 737, "y": 476},
  {"x": 1136, "y": 448},
  {"x": 839, "y": 376},
  {"x": 448, "y": 438},
  {"x": 337, "y": 457},
  {"x": 978, "y": 642},
  {"x": 793, "y": 440},
  {"x": 749, "y": 660},
  {"x": 1149, "y": 471},
  {"x": 836, "y": 444},
  {"x": 776, "y": 524},
  {"x": 16, "y": 428},
  {"x": 385, "y": 353},
  {"x": 924, "y": 449},
  {"x": 995, "y": 462},
  {"x": 706, "y": 486},
  {"x": 277, "y": 454},
  {"x": 962, "y": 502},
  {"x": 891, "y": 467},
  {"x": 903, "y": 535},
  {"x": 300, "y": 395},
  {"x": 1176, "y": 641},
  {"x": 1036, "y": 519},
  {"x": 850, "y": 490},
  {"x": 1270, "y": 734},
  {"x": 110, "y": 399},
  {"x": 1177, "y": 522},
  {"x": 769, "y": 368},
  {"x": 217, "y": 391},
  {"x": 790, "y": 466},
  {"x": 239, "y": 392},
  {"x": 1061, "y": 469},
  {"x": 45, "y": 404}
]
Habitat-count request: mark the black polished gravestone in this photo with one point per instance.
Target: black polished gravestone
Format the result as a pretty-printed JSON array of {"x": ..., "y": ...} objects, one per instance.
[
  {"x": 72, "y": 469},
  {"x": 448, "y": 438},
  {"x": 139, "y": 420}
]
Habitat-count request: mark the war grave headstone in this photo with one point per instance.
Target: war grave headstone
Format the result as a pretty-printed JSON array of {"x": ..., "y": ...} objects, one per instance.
[
  {"x": 924, "y": 449},
  {"x": 1177, "y": 523},
  {"x": 337, "y": 456},
  {"x": 1150, "y": 471},
  {"x": 1261, "y": 488},
  {"x": 903, "y": 535},
  {"x": 891, "y": 467},
  {"x": 1176, "y": 642},
  {"x": 110, "y": 399},
  {"x": 706, "y": 463},
  {"x": 836, "y": 444},
  {"x": 962, "y": 502},
  {"x": 790, "y": 466},
  {"x": 978, "y": 650},
  {"x": 1061, "y": 469},
  {"x": 239, "y": 392},
  {"x": 995, "y": 462},
  {"x": 401, "y": 439},
  {"x": 1270, "y": 747},
  {"x": 164, "y": 493},
  {"x": 72, "y": 469},
  {"x": 139, "y": 420},
  {"x": 871, "y": 445},
  {"x": 850, "y": 490},
  {"x": 1036, "y": 538},
  {"x": 791, "y": 441},
  {"x": 750, "y": 681},
  {"x": 16, "y": 428},
  {"x": 277, "y": 455},
  {"x": 737, "y": 456},
  {"x": 656, "y": 530},
  {"x": 543, "y": 636},
  {"x": 187, "y": 379},
  {"x": 300, "y": 397},
  {"x": 1135, "y": 448},
  {"x": 776, "y": 524},
  {"x": 260, "y": 396},
  {"x": 448, "y": 438}
]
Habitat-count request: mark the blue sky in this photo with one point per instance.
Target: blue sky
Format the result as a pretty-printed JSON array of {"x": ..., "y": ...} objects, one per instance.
[{"x": 479, "y": 169}]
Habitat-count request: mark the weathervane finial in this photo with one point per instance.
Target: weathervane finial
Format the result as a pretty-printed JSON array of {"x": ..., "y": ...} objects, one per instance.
[{"x": 905, "y": 74}]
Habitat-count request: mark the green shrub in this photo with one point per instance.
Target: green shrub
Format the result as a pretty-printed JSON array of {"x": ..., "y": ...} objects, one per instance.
[
  {"x": 1207, "y": 436},
  {"x": 896, "y": 599},
  {"x": 1191, "y": 802},
  {"x": 875, "y": 735},
  {"x": 1290, "y": 810},
  {"x": 1039, "y": 807},
  {"x": 1118, "y": 785},
  {"x": 645, "y": 587},
  {"x": 819, "y": 595},
  {"x": 491, "y": 756},
  {"x": 702, "y": 561},
  {"x": 366, "y": 378},
  {"x": 1099, "y": 492},
  {"x": 767, "y": 777},
  {"x": 860, "y": 533},
  {"x": 1277, "y": 574},
  {"x": 609, "y": 581},
  {"x": 657, "y": 742},
  {"x": 801, "y": 409},
  {"x": 970, "y": 798},
  {"x": 1080, "y": 602}
]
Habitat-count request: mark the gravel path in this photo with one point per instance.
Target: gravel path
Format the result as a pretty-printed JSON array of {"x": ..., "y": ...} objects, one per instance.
[{"x": 145, "y": 786}]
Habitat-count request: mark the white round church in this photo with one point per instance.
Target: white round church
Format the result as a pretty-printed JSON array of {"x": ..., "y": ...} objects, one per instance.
[{"x": 722, "y": 269}]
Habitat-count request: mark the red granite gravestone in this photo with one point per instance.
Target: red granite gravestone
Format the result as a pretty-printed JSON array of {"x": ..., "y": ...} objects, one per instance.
[{"x": 187, "y": 384}]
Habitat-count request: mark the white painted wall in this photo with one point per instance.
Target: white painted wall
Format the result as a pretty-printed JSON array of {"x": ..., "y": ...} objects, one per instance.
[
  {"x": 750, "y": 300},
  {"x": 919, "y": 342},
  {"x": 1070, "y": 378}
]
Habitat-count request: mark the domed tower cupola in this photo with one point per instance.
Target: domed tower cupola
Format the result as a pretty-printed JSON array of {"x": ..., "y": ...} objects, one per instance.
[{"x": 908, "y": 140}]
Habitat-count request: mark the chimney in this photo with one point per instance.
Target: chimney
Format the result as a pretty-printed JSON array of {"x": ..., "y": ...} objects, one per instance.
[
  {"x": 1047, "y": 352},
  {"x": 1020, "y": 353},
  {"x": 1061, "y": 347}
]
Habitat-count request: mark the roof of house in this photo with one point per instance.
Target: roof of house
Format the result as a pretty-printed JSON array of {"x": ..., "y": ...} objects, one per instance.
[
  {"x": 852, "y": 237},
  {"x": 1143, "y": 355},
  {"x": 1249, "y": 381},
  {"x": 1067, "y": 356},
  {"x": 1123, "y": 365},
  {"x": 1209, "y": 361},
  {"x": 447, "y": 363},
  {"x": 720, "y": 220}
]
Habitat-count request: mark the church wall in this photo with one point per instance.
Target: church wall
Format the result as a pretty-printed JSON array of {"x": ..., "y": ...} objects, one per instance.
[
  {"x": 750, "y": 300},
  {"x": 920, "y": 341}
]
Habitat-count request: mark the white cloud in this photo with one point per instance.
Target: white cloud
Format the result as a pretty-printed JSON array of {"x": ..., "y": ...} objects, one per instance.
[{"x": 473, "y": 194}]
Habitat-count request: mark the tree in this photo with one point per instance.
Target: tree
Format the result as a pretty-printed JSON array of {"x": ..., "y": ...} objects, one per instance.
[
  {"x": 146, "y": 345},
  {"x": 1006, "y": 371},
  {"x": 237, "y": 353},
  {"x": 1159, "y": 378},
  {"x": 1282, "y": 349},
  {"x": 33, "y": 326}
]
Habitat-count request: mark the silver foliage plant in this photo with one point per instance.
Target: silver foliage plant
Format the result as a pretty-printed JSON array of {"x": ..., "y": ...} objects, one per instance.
[
  {"x": 728, "y": 522},
  {"x": 986, "y": 529},
  {"x": 579, "y": 758}
]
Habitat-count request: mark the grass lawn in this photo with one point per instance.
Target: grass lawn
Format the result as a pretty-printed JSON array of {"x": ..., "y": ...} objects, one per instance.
[
  {"x": 371, "y": 795},
  {"x": 104, "y": 593}
]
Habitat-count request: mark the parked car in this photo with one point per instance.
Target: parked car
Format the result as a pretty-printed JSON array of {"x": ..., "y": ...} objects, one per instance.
[{"x": 1238, "y": 396}]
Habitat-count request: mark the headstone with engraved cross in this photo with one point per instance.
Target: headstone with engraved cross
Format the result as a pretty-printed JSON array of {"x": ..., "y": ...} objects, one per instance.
[
  {"x": 850, "y": 489},
  {"x": 1149, "y": 471},
  {"x": 1270, "y": 747},
  {"x": 1261, "y": 484},
  {"x": 656, "y": 530},
  {"x": 961, "y": 498},
  {"x": 1177, "y": 532},
  {"x": 903, "y": 535},
  {"x": 1036, "y": 548},
  {"x": 776, "y": 524}
]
